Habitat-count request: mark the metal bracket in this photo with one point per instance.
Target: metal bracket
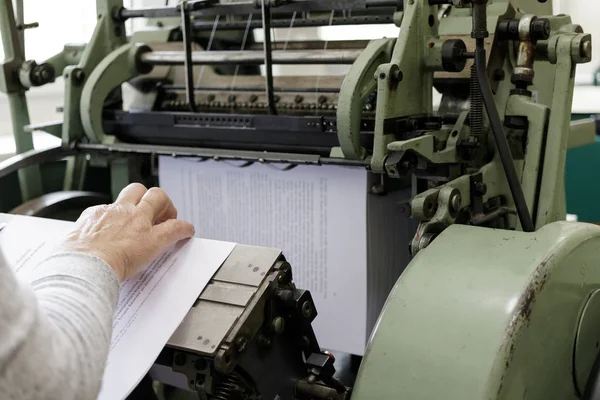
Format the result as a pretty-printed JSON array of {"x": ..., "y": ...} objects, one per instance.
[
  {"x": 357, "y": 86},
  {"x": 116, "y": 68}
]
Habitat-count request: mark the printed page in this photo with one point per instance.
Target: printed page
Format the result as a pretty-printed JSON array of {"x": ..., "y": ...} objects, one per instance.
[
  {"x": 315, "y": 214},
  {"x": 151, "y": 305}
]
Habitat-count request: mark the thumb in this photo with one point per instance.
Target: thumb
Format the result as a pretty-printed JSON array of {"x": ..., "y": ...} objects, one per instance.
[{"x": 172, "y": 231}]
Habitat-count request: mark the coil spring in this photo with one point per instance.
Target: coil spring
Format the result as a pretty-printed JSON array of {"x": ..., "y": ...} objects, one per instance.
[
  {"x": 230, "y": 388},
  {"x": 476, "y": 110}
]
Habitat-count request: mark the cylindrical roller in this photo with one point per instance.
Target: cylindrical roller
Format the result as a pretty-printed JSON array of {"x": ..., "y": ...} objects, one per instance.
[{"x": 252, "y": 57}]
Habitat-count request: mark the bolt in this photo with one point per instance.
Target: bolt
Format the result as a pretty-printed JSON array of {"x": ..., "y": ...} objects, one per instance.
[
  {"x": 276, "y": 98},
  {"x": 307, "y": 309},
  {"x": 45, "y": 74},
  {"x": 586, "y": 49},
  {"x": 232, "y": 98},
  {"x": 278, "y": 325},
  {"x": 299, "y": 99},
  {"x": 397, "y": 75},
  {"x": 377, "y": 189},
  {"x": 481, "y": 188},
  {"x": 211, "y": 97},
  {"x": 405, "y": 210},
  {"x": 322, "y": 99},
  {"x": 455, "y": 202},
  {"x": 79, "y": 75},
  {"x": 241, "y": 343},
  {"x": 253, "y": 98}
]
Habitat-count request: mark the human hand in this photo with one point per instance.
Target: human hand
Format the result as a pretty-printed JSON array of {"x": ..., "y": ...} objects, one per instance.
[{"x": 129, "y": 234}]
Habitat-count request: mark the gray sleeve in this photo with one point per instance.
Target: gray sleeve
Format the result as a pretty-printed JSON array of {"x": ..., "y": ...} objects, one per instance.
[{"x": 55, "y": 333}]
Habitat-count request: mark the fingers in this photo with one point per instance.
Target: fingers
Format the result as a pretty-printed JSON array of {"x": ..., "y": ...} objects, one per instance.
[
  {"x": 132, "y": 194},
  {"x": 172, "y": 231},
  {"x": 157, "y": 206}
]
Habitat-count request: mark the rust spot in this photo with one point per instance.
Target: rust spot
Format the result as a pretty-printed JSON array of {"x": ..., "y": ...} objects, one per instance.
[
  {"x": 430, "y": 45},
  {"x": 522, "y": 313}
]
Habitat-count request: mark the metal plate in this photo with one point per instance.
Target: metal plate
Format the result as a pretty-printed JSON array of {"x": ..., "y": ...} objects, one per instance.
[
  {"x": 228, "y": 293},
  {"x": 224, "y": 300},
  {"x": 247, "y": 265},
  {"x": 205, "y": 327}
]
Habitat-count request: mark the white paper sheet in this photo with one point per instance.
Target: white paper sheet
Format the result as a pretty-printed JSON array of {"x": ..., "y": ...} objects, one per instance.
[
  {"x": 151, "y": 305},
  {"x": 316, "y": 215}
]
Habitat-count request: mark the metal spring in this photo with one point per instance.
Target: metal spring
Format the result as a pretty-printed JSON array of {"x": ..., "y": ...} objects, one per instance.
[
  {"x": 476, "y": 111},
  {"x": 230, "y": 388}
]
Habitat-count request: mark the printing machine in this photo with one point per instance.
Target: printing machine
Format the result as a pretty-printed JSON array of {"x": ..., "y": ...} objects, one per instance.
[{"x": 501, "y": 299}]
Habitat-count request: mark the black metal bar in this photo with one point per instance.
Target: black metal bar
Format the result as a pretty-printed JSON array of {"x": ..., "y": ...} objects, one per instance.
[
  {"x": 189, "y": 66},
  {"x": 299, "y": 22},
  {"x": 247, "y": 8},
  {"x": 220, "y": 154},
  {"x": 252, "y": 89},
  {"x": 31, "y": 158},
  {"x": 266, "y": 21},
  {"x": 385, "y": 3}
]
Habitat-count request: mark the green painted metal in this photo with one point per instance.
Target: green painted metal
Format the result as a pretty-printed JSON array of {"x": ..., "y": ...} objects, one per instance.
[
  {"x": 119, "y": 176},
  {"x": 115, "y": 69},
  {"x": 485, "y": 314},
  {"x": 358, "y": 84},
  {"x": 551, "y": 205},
  {"x": 108, "y": 36},
  {"x": 70, "y": 55},
  {"x": 30, "y": 180},
  {"x": 537, "y": 116},
  {"x": 587, "y": 339},
  {"x": 404, "y": 87}
]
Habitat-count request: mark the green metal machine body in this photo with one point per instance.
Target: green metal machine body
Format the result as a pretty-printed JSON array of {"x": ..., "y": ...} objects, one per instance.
[
  {"x": 500, "y": 300},
  {"x": 510, "y": 315}
]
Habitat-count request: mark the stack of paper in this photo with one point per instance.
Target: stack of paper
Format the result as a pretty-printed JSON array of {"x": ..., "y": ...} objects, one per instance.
[{"x": 347, "y": 247}]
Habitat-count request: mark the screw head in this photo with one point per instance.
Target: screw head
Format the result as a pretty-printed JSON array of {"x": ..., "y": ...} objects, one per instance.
[
  {"x": 278, "y": 325},
  {"x": 307, "y": 309},
  {"x": 481, "y": 188}
]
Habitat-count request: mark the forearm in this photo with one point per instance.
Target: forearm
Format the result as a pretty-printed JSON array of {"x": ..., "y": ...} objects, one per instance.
[{"x": 54, "y": 339}]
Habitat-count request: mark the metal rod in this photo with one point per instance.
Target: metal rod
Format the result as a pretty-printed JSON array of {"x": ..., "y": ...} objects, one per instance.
[
  {"x": 21, "y": 24},
  {"x": 189, "y": 66},
  {"x": 289, "y": 57},
  {"x": 266, "y": 21},
  {"x": 252, "y": 89},
  {"x": 284, "y": 23},
  {"x": 247, "y": 8}
]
